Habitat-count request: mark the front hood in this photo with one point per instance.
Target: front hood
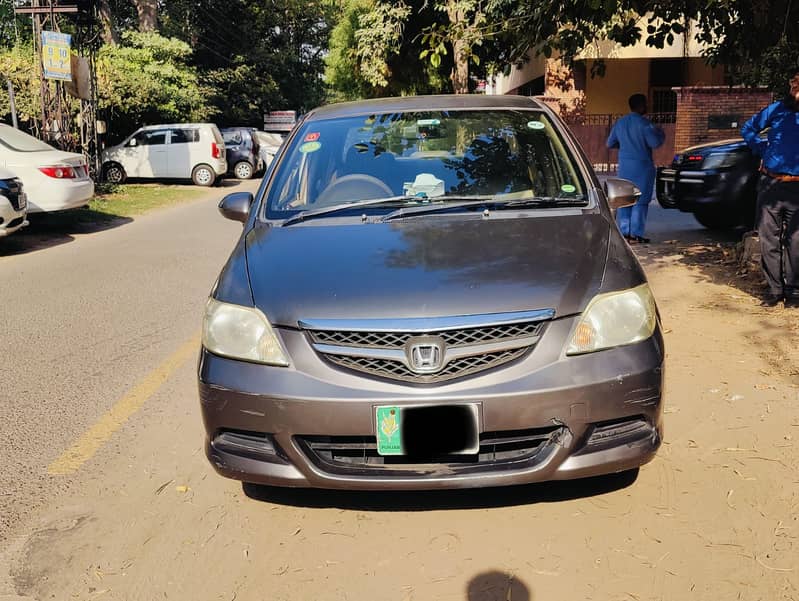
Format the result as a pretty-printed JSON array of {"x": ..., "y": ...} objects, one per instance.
[
  {"x": 427, "y": 267},
  {"x": 720, "y": 146}
]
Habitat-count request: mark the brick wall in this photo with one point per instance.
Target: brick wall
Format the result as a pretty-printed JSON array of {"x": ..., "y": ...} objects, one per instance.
[{"x": 730, "y": 107}]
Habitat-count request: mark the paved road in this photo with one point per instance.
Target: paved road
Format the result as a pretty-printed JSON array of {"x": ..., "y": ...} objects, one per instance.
[
  {"x": 96, "y": 343},
  {"x": 84, "y": 316}
]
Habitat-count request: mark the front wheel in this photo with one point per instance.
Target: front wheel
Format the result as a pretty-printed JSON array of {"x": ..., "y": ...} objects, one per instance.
[
  {"x": 243, "y": 170},
  {"x": 717, "y": 219},
  {"x": 114, "y": 173},
  {"x": 203, "y": 175}
]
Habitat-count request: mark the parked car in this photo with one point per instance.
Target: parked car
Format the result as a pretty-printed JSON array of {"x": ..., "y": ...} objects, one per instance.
[
  {"x": 176, "y": 151},
  {"x": 13, "y": 204},
  {"x": 241, "y": 147},
  {"x": 268, "y": 145},
  {"x": 54, "y": 180},
  {"x": 430, "y": 292},
  {"x": 716, "y": 182}
]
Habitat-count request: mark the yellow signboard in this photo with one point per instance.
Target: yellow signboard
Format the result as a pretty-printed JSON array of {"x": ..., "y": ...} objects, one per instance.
[{"x": 56, "y": 55}]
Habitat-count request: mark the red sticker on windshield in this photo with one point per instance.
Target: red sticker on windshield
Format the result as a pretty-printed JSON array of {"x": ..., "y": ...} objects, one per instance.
[{"x": 312, "y": 137}]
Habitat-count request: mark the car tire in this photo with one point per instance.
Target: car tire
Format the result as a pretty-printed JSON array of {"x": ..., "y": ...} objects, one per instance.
[
  {"x": 114, "y": 173},
  {"x": 203, "y": 175},
  {"x": 243, "y": 170},
  {"x": 718, "y": 219}
]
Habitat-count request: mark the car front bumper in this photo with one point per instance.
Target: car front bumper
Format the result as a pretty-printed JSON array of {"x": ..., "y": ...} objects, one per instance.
[
  {"x": 695, "y": 189},
  {"x": 593, "y": 414}
]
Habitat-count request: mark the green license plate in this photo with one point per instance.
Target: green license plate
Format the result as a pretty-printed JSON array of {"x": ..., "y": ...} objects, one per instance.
[
  {"x": 389, "y": 431},
  {"x": 427, "y": 431}
]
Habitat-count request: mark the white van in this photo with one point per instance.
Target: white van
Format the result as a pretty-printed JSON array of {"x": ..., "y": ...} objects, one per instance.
[{"x": 181, "y": 150}]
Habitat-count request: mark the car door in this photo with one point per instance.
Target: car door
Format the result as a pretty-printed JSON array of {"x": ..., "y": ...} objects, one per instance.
[
  {"x": 181, "y": 141},
  {"x": 155, "y": 155}
]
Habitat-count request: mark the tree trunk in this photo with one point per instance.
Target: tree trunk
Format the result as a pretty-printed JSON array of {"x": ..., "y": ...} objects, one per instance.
[
  {"x": 107, "y": 31},
  {"x": 148, "y": 14},
  {"x": 460, "y": 70}
]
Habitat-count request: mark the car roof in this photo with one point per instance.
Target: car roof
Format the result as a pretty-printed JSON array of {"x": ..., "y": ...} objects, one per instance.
[
  {"x": 176, "y": 125},
  {"x": 423, "y": 103}
]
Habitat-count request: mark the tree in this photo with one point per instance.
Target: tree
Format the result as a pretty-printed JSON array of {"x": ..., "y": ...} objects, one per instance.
[
  {"x": 757, "y": 40},
  {"x": 147, "y": 79},
  {"x": 342, "y": 67},
  {"x": 148, "y": 14}
]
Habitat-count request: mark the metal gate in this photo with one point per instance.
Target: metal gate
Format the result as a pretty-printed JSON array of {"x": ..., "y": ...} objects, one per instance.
[{"x": 592, "y": 132}]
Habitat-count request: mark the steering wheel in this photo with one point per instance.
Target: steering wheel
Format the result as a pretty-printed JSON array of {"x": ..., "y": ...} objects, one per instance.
[{"x": 357, "y": 186}]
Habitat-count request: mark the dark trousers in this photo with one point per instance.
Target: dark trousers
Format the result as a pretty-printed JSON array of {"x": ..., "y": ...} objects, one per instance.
[{"x": 778, "y": 227}]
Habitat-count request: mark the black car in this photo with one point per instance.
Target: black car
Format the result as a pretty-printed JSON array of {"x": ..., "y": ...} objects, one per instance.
[
  {"x": 241, "y": 147},
  {"x": 716, "y": 182}
]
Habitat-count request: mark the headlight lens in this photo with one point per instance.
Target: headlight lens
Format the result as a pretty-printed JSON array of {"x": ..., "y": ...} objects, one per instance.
[
  {"x": 615, "y": 319},
  {"x": 241, "y": 333},
  {"x": 719, "y": 160}
]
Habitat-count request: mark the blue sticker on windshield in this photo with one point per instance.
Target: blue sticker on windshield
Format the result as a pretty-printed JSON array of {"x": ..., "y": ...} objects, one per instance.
[
  {"x": 568, "y": 188},
  {"x": 424, "y": 122},
  {"x": 310, "y": 147},
  {"x": 535, "y": 125}
]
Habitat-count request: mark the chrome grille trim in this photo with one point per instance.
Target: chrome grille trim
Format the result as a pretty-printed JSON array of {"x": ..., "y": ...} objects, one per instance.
[
  {"x": 469, "y": 344},
  {"x": 426, "y": 324}
]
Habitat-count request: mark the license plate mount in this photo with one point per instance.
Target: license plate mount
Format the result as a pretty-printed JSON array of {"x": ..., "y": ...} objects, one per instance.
[{"x": 427, "y": 431}]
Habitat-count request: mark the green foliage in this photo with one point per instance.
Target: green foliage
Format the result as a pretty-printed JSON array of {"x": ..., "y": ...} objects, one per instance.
[
  {"x": 241, "y": 93},
  {"x": 342, "y": 67},
  {"x": 17, "y": 66},
  {"x": 147, "y": 79}
]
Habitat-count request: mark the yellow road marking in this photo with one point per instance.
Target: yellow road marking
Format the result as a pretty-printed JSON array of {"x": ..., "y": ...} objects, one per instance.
[{"x": 88, "y": 444}]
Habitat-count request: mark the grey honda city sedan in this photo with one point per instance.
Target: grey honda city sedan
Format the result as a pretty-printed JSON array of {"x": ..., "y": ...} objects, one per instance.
[{"x": 430, "y": 292}]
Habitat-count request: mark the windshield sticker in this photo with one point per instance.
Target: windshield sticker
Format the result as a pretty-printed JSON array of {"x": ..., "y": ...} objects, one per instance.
[
  {"x": 310, "y": 147},
  {"x": 568, "y": 188},
  {"x": 312, "y": 137},
  {"x": 423, "y": 122},
  {"x": 535, "y": 125}
]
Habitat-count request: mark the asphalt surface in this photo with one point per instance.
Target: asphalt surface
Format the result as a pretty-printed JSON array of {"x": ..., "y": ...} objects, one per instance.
[{"x": 84, "y": 317}]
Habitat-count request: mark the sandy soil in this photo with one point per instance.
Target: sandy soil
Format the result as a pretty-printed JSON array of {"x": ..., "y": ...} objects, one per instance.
[{"x": 715, "y": 516}]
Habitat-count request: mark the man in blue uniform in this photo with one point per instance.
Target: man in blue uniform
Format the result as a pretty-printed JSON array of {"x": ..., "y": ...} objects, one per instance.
[
  {"x": 635, "y": 136},
  {"x": 778, "y": 197}
]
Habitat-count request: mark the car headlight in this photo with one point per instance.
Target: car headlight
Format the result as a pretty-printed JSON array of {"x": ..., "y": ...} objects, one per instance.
[
  {"x": 615, "y": 319},
  {"x": 241, "y": 333},
  {"x": 719, "y": 160}
]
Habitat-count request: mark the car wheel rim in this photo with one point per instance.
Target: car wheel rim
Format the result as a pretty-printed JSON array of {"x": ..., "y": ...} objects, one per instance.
[
  {"x": 113, "y": 175},
  {"x": 203, "y": 176},
  {"x": 243, "y": 171}
]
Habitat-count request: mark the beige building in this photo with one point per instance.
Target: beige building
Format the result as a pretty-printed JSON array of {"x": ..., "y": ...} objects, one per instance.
[{"x": 628, "y": 70}]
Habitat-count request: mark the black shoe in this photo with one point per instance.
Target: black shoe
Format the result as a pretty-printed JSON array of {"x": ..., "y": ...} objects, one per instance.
[
  {"x": 792, "y": 302},
  {"x": 641, "y": 239},
  {"x": 770, "y": 301}
]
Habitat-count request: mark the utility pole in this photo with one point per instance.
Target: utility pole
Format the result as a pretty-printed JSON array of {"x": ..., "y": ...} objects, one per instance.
[
  {"x": 13, "y": 104},
  {"x": 56, "y": 124}
]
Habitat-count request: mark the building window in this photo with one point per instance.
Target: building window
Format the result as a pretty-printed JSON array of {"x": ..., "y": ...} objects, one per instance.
[{"x": 664, "y": 100}]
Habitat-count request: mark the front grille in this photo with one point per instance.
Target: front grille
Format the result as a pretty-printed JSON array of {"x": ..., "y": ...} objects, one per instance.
[
  {"x": 357, "y": 455},
  {"x": 453, "y": 338},
  {"x": 458, "y": 368},
  {"x": 12, "y": 189},
  {"x": 466, "y": 350}
]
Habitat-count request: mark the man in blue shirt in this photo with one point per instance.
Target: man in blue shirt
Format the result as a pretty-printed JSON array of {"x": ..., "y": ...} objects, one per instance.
[
  {"x": 635, "y": 136},
  {"x": 778, "y": 197}
]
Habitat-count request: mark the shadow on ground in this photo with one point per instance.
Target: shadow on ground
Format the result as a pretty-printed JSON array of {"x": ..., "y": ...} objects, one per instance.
[
  {"x": 477, "y": 498},
  {"x": 53, "y": 229}
]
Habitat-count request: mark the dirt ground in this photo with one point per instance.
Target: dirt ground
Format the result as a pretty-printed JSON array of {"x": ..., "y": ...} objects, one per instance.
[{"x": 714, "y": 516}]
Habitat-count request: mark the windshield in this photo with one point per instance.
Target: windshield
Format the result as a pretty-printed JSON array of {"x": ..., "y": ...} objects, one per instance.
[
  {"x": 508, "y": 154},
  {"x": 20, "y": 141}
]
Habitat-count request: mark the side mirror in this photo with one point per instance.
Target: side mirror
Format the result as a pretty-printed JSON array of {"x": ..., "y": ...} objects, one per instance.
[
  {"x": 132, "y": 143},
  {"x": 621, "y": 193},
  {"x": 236, "y": 206}
]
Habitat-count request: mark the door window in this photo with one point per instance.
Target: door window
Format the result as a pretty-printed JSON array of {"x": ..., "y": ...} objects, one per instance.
[{"x": 184, "y": 136}]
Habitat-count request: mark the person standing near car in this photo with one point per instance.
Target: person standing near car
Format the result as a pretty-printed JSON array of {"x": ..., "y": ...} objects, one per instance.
[
  {"x": 778, "y": 194},
  {"x": 636, "y": 136}
]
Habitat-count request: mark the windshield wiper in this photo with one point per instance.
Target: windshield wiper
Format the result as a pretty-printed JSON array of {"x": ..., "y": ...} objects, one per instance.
[
  {"x": 489, "y": 202},
  {"x": 545, "y": 202},
  {"x": 346, "y": 206}
]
